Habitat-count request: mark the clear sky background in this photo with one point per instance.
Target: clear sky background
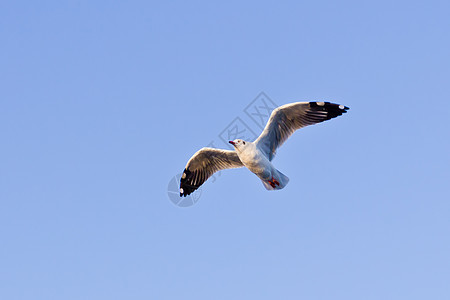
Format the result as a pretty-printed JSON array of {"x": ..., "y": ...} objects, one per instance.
[{"x": 102, "y": 103}]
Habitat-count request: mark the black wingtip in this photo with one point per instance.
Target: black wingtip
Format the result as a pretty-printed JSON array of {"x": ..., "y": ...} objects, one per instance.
[
  {"x": 328, "y": 105},
  {"x": 185, "y": 188},
  {"x": 332, "y": 109}
]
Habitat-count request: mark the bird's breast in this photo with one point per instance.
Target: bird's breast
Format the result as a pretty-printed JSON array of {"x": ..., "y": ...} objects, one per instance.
[{"x": 254, "y": 161}]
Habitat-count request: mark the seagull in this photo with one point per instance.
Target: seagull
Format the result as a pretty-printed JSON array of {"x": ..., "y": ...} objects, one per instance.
[{"x": 257, "y": 156}]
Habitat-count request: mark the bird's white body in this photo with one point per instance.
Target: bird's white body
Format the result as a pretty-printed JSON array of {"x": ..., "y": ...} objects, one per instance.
[{"x": 255, "y": 160}]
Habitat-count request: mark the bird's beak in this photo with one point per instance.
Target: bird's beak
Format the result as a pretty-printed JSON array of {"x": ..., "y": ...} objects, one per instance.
[{"x": 232, "y": 143}]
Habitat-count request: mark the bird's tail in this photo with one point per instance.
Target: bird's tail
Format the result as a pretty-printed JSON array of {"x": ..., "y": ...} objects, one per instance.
[{"x": 278, "y": 182}]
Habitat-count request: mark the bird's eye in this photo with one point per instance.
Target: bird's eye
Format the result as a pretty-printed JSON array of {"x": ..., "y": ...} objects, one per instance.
[{"x": 243, "y": 143}]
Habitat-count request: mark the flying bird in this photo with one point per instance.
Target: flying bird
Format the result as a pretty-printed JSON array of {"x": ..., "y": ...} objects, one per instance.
[{"x": 257, "y": 155}]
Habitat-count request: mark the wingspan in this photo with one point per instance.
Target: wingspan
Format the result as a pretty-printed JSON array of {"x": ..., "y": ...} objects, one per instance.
[
  {"x": 203, "y": 164},
  {"x": 286, "y": 119}
]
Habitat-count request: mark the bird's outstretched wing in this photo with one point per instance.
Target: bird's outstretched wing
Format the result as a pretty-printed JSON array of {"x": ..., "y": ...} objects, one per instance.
[
  {"x": 203, "y": 164},
  {"x": 286, "y": 119}
]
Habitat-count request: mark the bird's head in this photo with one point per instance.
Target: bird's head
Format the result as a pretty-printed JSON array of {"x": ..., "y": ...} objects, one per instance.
[{"x": 239, "y": 144}]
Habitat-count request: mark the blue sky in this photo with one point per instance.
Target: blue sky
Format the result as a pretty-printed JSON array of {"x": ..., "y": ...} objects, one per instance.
[{"x": 103, "y": 103}]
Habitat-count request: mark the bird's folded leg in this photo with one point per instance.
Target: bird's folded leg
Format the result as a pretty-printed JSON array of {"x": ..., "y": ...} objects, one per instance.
[{"x": 273, "y": 182}]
